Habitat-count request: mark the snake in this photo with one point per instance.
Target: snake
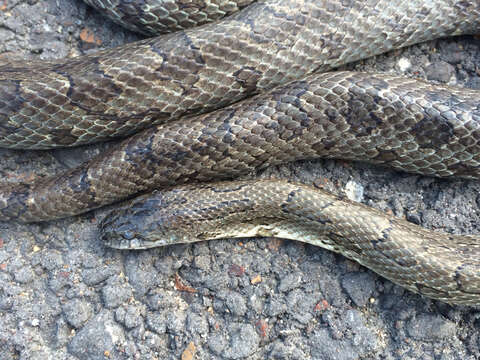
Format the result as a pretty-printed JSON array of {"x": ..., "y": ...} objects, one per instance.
[
  {"x": 241, "y": 94},
  {"x": 411, "y": 256},
  {"x": 117, "y": 92}
]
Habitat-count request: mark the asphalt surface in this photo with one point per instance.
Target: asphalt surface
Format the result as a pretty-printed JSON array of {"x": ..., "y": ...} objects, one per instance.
[{"x": 63, "y": 295}]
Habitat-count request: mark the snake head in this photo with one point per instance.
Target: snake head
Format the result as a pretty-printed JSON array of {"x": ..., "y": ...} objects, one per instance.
[{"x": 144, "y": 222}]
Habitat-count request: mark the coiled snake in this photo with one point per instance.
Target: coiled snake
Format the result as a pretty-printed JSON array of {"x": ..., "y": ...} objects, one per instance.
[{"x": 408, "y": 124}]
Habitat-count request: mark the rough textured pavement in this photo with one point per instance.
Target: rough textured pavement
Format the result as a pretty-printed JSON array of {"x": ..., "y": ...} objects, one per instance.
[{"x": 64, "y": 296}]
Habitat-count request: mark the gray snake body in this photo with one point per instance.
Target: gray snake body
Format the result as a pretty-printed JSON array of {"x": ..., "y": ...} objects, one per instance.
[
  {"x": 413, "y": 257},
  {"x": 408, "y": 124},
  {"x": 118, "y": 91}
]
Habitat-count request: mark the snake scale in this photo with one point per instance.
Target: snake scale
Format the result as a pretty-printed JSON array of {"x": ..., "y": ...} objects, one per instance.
[
  {"x": 277, "y": 51},
  {"x": 118, "y": 91},
  {"x": 413, "y": 257}
]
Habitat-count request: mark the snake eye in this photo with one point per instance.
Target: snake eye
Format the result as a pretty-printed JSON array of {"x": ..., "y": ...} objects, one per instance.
[
  {"x": 128, "y": 234},
  {"x": 126, "y": 230}
]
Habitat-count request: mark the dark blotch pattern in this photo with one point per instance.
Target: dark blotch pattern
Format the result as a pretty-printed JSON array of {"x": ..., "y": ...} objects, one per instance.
[
  {"x": 435, "y": 264},
  {"x": 117, "y": 92}
]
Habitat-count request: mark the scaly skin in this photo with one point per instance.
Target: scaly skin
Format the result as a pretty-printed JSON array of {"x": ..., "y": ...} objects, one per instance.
[
  {"x": 438, "y": 265},
  {"x": 153, "y": 17},
  {"x": 404, "y": 123},
  {"x": 116, "y": 92}
]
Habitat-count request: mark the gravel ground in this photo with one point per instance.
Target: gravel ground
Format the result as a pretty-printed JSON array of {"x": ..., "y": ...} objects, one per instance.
[{"x": 65, "y": 296}]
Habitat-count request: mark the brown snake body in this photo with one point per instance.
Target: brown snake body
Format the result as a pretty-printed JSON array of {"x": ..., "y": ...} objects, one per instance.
[
  {"x": 118, "y": 91},
  {"x": 404, "y": 123},
  {"x": 418, "y": 259},
  {"x": 408, "y": 124}
]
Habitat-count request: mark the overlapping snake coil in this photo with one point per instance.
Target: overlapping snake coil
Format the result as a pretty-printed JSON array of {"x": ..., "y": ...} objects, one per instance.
[{"x": 198, "y": 77}]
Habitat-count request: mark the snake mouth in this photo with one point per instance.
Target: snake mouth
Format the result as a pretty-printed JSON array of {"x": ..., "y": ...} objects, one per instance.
[
  {"x": 127, "y": 236},
  {"x": 133, "y": 244},
  {"x": 127, "y": 240},
  {"x": 115, "y": 239}
]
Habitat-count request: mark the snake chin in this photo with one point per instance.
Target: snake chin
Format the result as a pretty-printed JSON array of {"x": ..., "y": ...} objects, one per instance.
[
  {"x": 131, "y": 240},
  {"x": 137, "y": 243}
]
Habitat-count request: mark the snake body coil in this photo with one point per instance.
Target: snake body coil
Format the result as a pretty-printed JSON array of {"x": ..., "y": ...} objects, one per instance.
[
  {"x": 418, "y": 259},
  {"x": 407, "y": 124},
  {"x": 117, "y": 92}
]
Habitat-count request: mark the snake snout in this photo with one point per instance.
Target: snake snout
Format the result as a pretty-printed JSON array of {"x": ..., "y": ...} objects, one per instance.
[
  {"x": 117, "y": 233},
  {"x": 136, "y": 226}
]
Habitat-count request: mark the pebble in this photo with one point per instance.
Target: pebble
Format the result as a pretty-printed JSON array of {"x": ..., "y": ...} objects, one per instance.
[
  {"x": 100, "y": 335},
  {"x": 440, "y": 71},
  {"x": 115, "y": 294},
  {"x": 354, "y": 191},
  {"x": 236, "y": 303},
  {"x": 359, "y": 286},
  {"x": 240, "y": 341},
  {"x": 290, "y": 282},
  {"x": 430, "y": 328},
  {"x": 77, "y": 312}
]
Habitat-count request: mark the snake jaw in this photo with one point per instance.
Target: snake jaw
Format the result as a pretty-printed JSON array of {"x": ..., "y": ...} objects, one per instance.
[{"x": 133, "y": 227}]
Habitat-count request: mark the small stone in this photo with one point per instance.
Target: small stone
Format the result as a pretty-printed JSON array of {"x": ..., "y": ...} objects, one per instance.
[
  {"x": 236, "y": 270},
  {"x": 404, "y": 64},
  {"x": 275, "y": 307},
  {"x": 430, "y": 328},
  {"x": 197, "y": 324},
  {"x": 290, "y": 282},
  {"x": 236, "y": 304},
  {"x": 140, "y": 270},
  {"x": 61, "y": 334},
  {"x": 51, "y": 260},
  {"x": 100, "y": 334},
  {"x": 244, "y": 341},
  {"x": 24, "y": 275},
  {"x": 189, "y": 352},
  {"x": 280, "y": 351},
  {"x": 217, "y": 344},
  {"x": 130, "y": 316},
  {"x": 96, "y": 276},
  {"x": 202, "y": 262},
  {"x": 114, "y": 295},
  {"x": 363, "y": 337},
  {"x": 256, "y": 280},
  {"x": 440, "y": 71},
  {"x": 413, "y": 218},
  {"x": 359, "y": 287},
  {"x": 176, "y": 322},
  {"x": 157, "y": 322},
  {"x": 354, "y": 191},
  {"x": 77, "y": 312},
  {"x": 328, "y": 348}
]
